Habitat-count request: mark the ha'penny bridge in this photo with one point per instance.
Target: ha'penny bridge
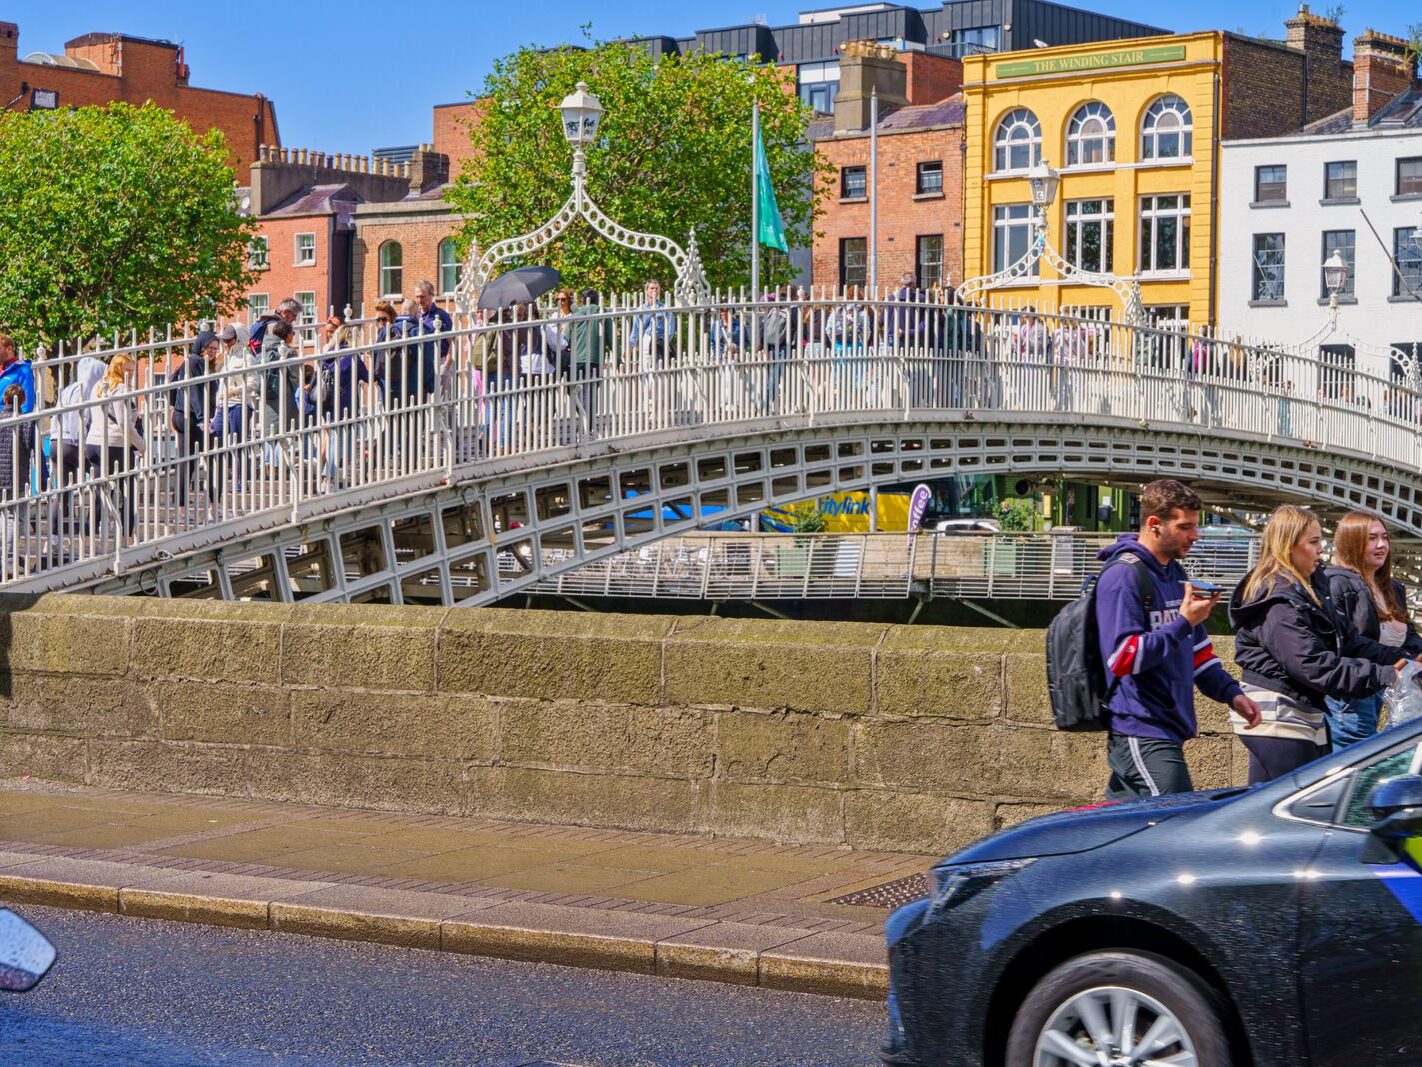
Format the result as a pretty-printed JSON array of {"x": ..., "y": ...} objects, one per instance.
[{"x": 500, "y": 475}]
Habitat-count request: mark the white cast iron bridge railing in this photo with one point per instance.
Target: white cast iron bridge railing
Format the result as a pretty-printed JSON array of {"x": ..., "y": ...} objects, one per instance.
[
  {"x": 375, "y": 496},
  {"x": 720, "y": 566}
]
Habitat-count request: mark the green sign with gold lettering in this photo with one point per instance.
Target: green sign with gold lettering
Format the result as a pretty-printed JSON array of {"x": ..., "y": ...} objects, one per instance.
[{"x": 1096, "y": 61}]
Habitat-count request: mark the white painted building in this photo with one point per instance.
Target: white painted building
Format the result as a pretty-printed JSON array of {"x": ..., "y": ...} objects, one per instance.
[{"x": 1350, "y": 183}]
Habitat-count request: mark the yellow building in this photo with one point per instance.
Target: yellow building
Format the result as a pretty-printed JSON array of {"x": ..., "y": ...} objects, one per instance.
[{"x": 1133, "y": 129}]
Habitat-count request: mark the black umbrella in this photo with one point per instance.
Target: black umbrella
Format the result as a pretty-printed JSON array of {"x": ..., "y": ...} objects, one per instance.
[{"x": 518, "y": 287}]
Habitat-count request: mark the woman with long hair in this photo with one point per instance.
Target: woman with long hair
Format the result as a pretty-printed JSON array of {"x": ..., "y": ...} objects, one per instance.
[
  {"x": 115, "y": 437},
  {"x": 1362, "y": 587},
  {"x": 1295, "y": 649}
]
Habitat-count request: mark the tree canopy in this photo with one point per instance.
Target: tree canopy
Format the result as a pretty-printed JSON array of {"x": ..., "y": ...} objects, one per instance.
[
  {"x": 114, "y": 218},
  {"x": 673, "y": 153}
]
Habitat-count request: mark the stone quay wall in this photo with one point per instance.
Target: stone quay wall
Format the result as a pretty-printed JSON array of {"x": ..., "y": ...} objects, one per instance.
[{"x": 867, "y": 735}]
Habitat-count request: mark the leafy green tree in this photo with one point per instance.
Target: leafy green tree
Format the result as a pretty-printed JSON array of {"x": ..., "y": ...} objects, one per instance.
[
  {"x": 674, "y": 152},
  {"x": 114, "y": 218}
]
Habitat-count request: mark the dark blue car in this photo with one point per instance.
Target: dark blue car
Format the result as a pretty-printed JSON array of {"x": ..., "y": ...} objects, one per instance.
[{"x": 1278, "y": 926}]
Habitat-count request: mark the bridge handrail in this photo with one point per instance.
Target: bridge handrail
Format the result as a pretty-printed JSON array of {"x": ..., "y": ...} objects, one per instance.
[{"x": 889, "y": 358}]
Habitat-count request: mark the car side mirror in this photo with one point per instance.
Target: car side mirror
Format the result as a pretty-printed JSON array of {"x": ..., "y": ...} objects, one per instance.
[
  {"x": 25, "y": 954},
  {"x": 1396, "y": 805}
]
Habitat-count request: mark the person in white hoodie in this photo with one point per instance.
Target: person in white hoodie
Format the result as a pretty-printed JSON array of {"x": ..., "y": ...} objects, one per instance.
[
  {"x": 64, "y": 461},
  {"x": 114, "y": 440}
]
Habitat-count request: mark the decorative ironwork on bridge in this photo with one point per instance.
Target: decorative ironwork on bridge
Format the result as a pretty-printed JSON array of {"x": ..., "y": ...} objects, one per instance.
[
  {"x": 582, "y": 113},
  {"x": 1043, "y": 181}
]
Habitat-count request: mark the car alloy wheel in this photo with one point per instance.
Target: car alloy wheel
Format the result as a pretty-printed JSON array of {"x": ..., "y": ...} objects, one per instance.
[
  {"x": 1120, "y": 1008},
  {"x": 1112, "y": 1026}
]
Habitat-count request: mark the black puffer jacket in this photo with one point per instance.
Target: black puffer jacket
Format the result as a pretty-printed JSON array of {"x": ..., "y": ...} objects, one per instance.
[
  {"x": 1285, "y": 642},
  {"x": 1355, "y": 601}
]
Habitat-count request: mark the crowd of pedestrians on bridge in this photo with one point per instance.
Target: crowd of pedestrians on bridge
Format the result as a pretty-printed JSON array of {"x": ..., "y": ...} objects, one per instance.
[
  {"x": 1316, "y": 645},
  {"x": 273, "y": 382}
]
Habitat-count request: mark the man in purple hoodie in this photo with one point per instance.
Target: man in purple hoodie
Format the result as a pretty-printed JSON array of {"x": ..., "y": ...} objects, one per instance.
[{"x": 1157, "y": 653}]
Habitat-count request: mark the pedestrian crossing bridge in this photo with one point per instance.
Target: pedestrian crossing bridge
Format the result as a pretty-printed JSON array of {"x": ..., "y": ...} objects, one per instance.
[{"x": 568, "y": 441}]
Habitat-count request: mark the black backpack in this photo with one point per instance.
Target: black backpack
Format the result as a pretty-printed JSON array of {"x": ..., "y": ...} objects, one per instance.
[{"x": 1076, "y": 676}]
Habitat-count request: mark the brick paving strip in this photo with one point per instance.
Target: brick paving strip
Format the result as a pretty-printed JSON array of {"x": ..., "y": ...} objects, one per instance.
[{"x": 719, "y": 909}]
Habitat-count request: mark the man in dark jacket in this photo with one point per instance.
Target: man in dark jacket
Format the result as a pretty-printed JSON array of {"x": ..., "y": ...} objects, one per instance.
[
  {"x": 192, "y": 404},
  {"x": 288, "y": 311},
  {"x": 1157, "y": 654}
]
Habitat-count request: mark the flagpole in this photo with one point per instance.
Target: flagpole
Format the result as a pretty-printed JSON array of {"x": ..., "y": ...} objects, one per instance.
[
  {"x": 755, "y": 198},
  {"x": 874, "y": 193}
]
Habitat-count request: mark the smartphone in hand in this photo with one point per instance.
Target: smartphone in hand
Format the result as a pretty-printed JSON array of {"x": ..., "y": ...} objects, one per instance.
[{"x": 1204, "y": 588}]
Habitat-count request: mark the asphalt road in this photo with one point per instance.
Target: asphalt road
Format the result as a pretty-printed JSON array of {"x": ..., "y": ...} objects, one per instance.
[{"x": 135, "y": 991}]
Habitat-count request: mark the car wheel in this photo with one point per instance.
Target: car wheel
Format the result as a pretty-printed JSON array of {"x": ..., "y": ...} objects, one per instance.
[{"x": 1119, "y": 1009}]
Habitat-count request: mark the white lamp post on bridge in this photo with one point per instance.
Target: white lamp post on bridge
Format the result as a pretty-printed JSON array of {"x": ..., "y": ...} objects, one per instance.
[
  {"x": 581, "y": 119},
  {"x": 1043, "y": 181}
]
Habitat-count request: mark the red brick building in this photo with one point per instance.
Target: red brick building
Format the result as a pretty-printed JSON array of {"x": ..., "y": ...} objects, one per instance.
[
  {"x": 452, "y": 123},
  {"x": 100, "y": 68},
  {"x": 338, "y": 230},
  {"x": 920, "y": 170}
]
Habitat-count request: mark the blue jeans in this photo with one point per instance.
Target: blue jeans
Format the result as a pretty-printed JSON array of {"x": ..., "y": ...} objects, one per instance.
[{"x": 1351, "y": 721}]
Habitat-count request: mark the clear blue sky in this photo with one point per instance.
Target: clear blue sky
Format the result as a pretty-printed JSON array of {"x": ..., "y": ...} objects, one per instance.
[{"x": 349, "y": 77}]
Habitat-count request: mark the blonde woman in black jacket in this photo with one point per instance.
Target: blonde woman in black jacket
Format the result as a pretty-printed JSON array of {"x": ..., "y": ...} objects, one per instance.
[
  {"x": 1361, "y": 586},
  {"x": 1295, "y": 649}
]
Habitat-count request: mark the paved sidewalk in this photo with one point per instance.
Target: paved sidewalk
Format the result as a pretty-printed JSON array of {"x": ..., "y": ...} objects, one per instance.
[{"x": 808, "y": 918}]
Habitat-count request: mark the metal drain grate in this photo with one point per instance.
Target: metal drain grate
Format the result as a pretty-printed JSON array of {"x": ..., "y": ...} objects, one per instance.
[{"x": 889, "y": 895}]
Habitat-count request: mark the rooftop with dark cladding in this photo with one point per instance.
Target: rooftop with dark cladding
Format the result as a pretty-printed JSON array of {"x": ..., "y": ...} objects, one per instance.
[
  {"x": 319, "y": 200},
  {"x": 945, "y": 113},
  {"x": 822, "y": 31},
  {"x": 1403, "y": 112}
]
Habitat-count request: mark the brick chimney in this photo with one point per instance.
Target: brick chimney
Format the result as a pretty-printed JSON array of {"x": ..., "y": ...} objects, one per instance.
[
  {"x": 428, "y": 169},
  {"x": 1317, "y": 37},
  {"x": 1382, "y": 68},
  {"x": 9, "y": 42},
  {"x": 863, "y": 68}
]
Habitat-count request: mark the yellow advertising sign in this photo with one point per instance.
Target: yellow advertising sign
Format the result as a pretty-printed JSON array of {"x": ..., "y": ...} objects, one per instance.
[
  {"x": 848, "y": 513},
  {"x": 1095, "y": 61}
]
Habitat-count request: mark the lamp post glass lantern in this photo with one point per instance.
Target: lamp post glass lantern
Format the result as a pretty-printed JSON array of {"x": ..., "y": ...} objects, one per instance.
[
  {"x": 1335, "y": 275},
  {"x": 582, "y": 112},
  {"x": 1043, "y": 180}
]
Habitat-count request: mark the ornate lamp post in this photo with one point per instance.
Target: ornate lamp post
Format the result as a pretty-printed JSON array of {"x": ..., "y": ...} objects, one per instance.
[
  {"x": 1335, "y": 276},
  {"x": 581, "y": 116},
  {"x": 1043, "y": 180}
]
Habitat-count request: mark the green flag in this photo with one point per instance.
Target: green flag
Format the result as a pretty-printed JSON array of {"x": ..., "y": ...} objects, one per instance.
[{"x": 770, "y": 230}]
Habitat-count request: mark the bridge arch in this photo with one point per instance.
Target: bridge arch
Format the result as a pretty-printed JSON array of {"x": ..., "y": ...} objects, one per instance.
[
  {"x": 443, "y": 544},
  {"x": 562, "y": 471}
]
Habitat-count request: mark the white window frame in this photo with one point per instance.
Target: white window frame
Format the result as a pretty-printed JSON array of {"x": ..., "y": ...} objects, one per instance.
[
  {"x": 258, "y": 304},
  {"x": 1408, "y": 253},
  {"x": 1005, "y": 218},
  {"x": 259, "y": 260},
  {"x": 1346, "y": 197},
  {"x": 297, "y": 259},
  {"x": 1267, "y": 279},
  {"x": 386, "y": 270},
  {"x": 1102, "y": 135},
  {"x": 452, "y": 264},
  {"x": 1153, "y": 214},
  {"x": 922, "y": 279},
  {"x": 1016, "y": 130},
  {"x": 307, "y": 299},
  {"x": 1078, "y": 219},
  {"x": 1180, "y": 122}
]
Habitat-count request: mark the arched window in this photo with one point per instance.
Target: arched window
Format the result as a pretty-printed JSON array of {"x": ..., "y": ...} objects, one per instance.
[
  {"x": 1167, "y": 130},
  {"x": 392, "y": 269},
  {"x": 1091, "y": 135},
  {"x": 450, "y": 269},
  {"x": 1018, "y": 142}
]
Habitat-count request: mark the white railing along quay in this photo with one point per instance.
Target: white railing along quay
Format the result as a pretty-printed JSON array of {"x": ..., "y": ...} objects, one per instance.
[
  {"x": 884, "y": 565},
  {"x": 407, "y": 414}
]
